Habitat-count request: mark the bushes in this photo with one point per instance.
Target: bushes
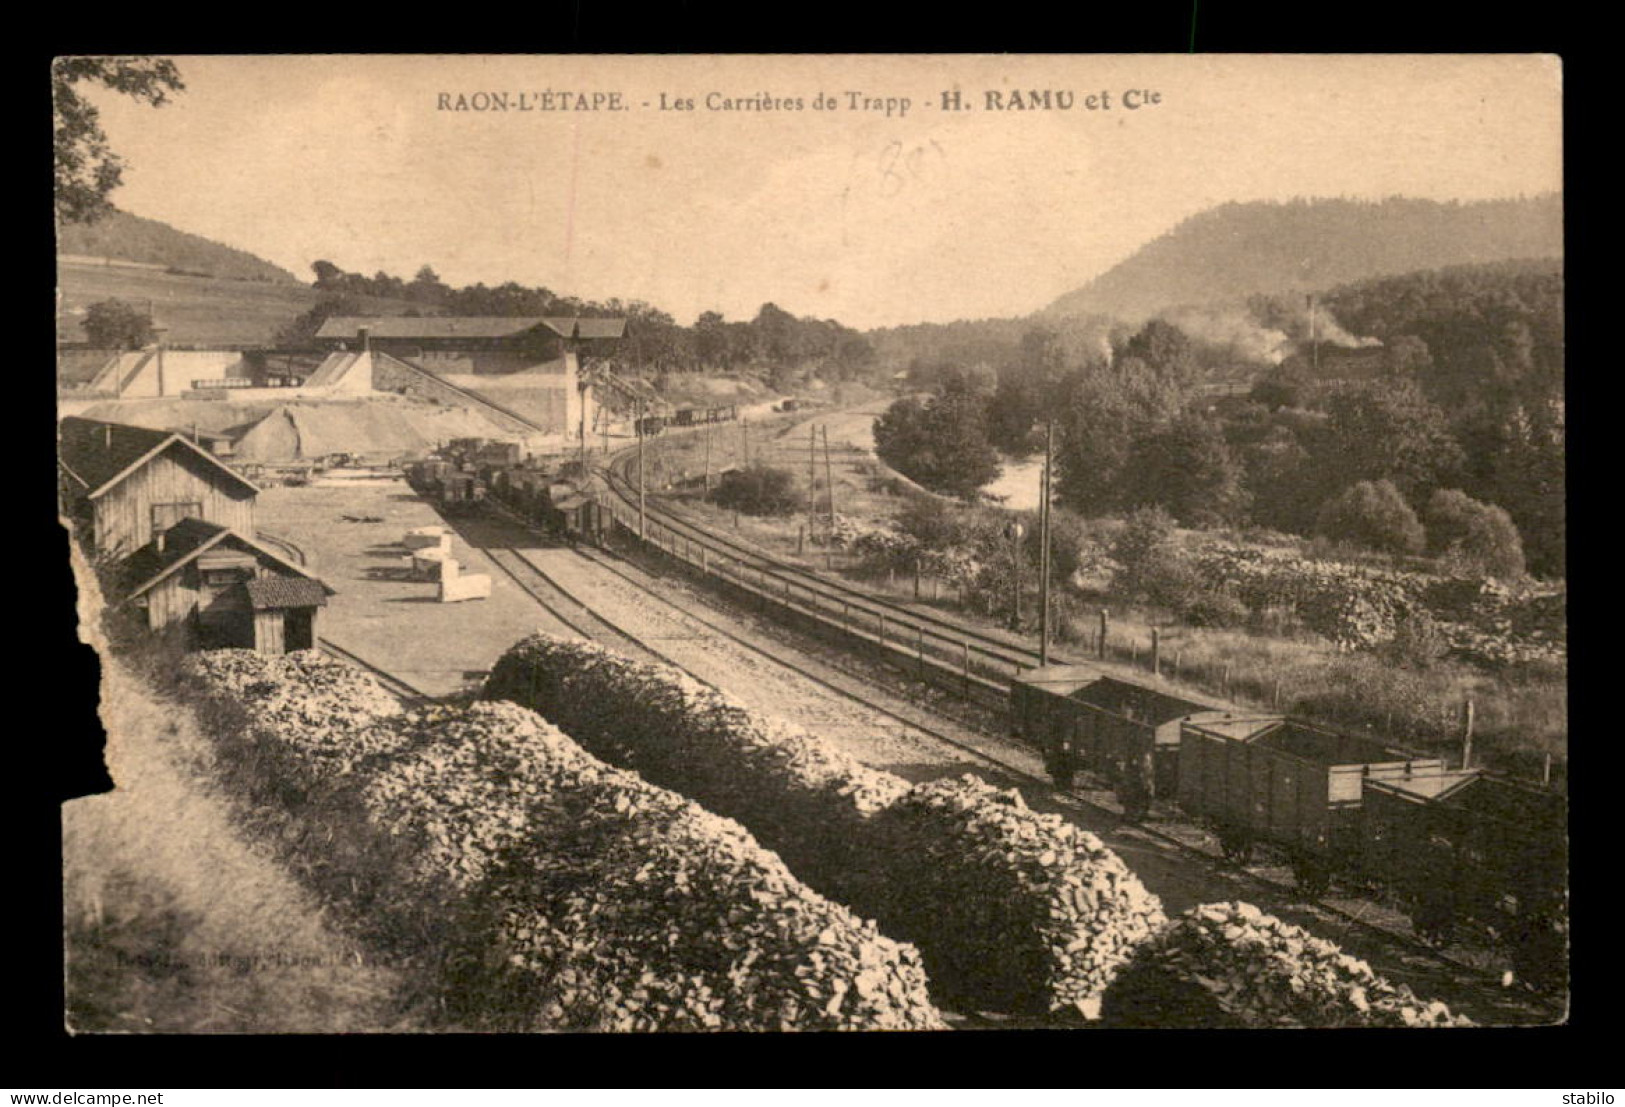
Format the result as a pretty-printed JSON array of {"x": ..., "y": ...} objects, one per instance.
[
  {"x": 1230, "y": 965},
  {"x": 1012, "y": 908},
  {"x": 1476, "y": 537},
  {"x": 1374, "y": 516},
  {"x": 758, "y": 490},
  {"x": 541, "y": 889}
]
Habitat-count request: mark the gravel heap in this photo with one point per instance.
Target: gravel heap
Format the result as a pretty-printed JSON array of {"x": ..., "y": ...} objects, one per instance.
[
  {"x": 805, "y": 800},
  {"x": 570, "y": 895},
  {"x": 1011, "y": 909},
  {"x": 1231, "y": 965},
  {"x": 310, "y": 719}
]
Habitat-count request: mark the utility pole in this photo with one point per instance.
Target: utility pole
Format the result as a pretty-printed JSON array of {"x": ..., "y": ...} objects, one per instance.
[
  {"x": 829, "y": 481},
  {"x": 1314, "y": 338},
  {"x": 1043, "y": 530},
  {"x": 744, "y": 438},
  {"x": 707, "y": 496},
  {"x": 812, "y": 481},
  {"x": 642, "y": 516}
]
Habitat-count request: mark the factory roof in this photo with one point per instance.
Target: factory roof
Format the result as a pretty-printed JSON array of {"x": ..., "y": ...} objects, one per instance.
[{"x": 468, "y": 326}]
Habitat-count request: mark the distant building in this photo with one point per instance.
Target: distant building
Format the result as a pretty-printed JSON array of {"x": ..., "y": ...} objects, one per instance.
[
  {"x": 477, "y": 345},
  {"x": 159, "y": 371},
  {"x": 527, "y": 366}
]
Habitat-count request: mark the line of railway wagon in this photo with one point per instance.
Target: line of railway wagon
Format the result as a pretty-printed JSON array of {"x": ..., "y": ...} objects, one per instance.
[
  {"x": 651, "y": 425},
  {"x": 1453, "y": 845}
]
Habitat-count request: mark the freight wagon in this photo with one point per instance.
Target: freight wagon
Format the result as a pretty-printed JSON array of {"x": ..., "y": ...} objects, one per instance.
[
  {"x": 1296, "y": 786},
  {"x": 1464, "y": 845},
  {"x": 1126, "y": 733}
]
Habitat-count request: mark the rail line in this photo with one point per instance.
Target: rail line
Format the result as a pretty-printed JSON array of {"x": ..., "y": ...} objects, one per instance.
[
  {"x": 1093, "y": 799},
  {"x": 770, "y": 569},
  {"x": 534, "y": 581}
]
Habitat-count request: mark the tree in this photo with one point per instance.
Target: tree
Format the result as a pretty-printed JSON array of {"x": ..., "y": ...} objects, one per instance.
[
  {"x": 1165, "y": 349},
  {"x": 1281, "y": 387},
  {"x": 1374, "y": 516},
  {"x": 758, "y": 490},
  {"x": 427, "y": 288},
  {"x": 1475, "y": 535},
  {"x": 328, "y": 276},
  {"x": 1188, "y": 468},
  {"x": 116, "y": 325},
  {"x": 87, "y": 170},
  {"x": 303, "y": 329},
  {"x": 1390, "y": 431},
  {"x": 1103, "y": 413},
  {"x": 942, "y": 443}
]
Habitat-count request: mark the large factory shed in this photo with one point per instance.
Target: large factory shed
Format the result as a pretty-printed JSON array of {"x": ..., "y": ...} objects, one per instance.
[
  {"x": 129, "y": 484},
  {"x": 220, "y": 590},
  {"x": 525, "y": 367},
  {"x": 468, "y": 344}
]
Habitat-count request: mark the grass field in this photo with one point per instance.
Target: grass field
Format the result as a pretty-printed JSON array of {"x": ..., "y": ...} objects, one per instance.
[{"x": 198, "y": 311}]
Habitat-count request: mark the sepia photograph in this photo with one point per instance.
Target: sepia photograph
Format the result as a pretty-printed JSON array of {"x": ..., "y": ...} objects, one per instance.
[{"x": 767, "y": 543}]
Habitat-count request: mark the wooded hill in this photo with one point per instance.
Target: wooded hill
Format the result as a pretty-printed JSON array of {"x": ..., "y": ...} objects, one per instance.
[
  {"x": 1240, "y": 249},
  {"x": 127, "y": 237}
]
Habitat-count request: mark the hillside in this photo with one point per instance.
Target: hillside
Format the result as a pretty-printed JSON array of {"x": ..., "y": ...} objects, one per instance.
[
  {"x": 1239, "y": 249},
  {"x": 130, "y": 238},
  {"x": 198, "y": 311}
]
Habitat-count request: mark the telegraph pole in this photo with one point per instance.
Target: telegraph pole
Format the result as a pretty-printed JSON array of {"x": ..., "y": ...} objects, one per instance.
[
  {"x": 1043, "y": 529},
  {"x": 812, "y": 480},
  {"x": 829, "y": 479},
  {"x": 707, "y": 496},
  {"x": 642, "y": 517}
]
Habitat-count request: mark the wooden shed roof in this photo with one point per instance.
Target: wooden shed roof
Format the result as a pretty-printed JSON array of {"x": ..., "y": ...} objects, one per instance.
[
  {"x": 99, "y": 454},
  {"x": 190, "y": 539}
]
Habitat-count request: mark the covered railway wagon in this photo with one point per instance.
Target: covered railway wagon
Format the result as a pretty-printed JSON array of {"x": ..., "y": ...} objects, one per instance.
[
  {"x": 1464, "y": 845},
  {"x": 1296, "y": 786},
  {"x": 1079, "y": 718}
]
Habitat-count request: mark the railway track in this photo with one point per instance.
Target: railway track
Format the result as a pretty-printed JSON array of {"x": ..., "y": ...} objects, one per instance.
[
  {"x": 942, "y": 636},
  {"x": 540, "y": 586},
  {"x": 778, "y": 580}
]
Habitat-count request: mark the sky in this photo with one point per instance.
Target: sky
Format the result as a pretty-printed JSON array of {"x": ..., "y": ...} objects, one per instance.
[{"x": 871, "y": 215}]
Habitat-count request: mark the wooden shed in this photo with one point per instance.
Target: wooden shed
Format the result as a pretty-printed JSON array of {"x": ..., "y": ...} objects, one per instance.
[
  {"x": 225, "y": 591},
  {"x": 129, "y": 484}
]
